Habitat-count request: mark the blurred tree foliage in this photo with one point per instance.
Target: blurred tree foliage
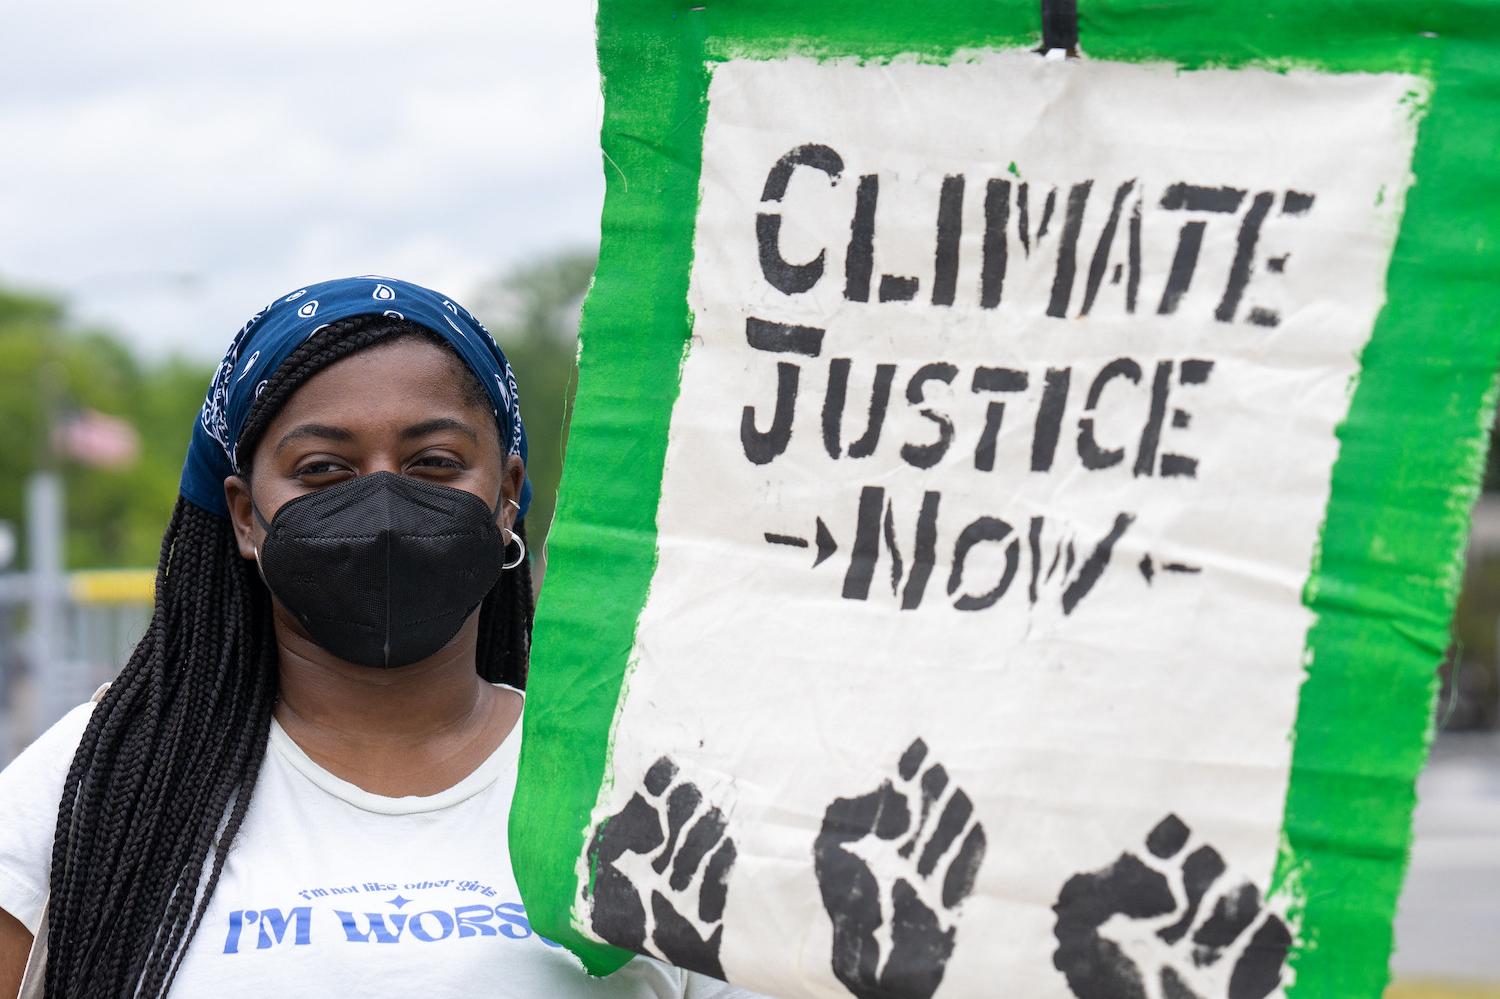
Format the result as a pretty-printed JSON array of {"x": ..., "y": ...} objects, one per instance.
[
  {"x": 115, "y": 517},
  {"x": 533, "y": 313}
]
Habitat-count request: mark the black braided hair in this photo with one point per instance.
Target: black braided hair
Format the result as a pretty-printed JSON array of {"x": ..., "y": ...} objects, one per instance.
[{"x": 163, "y": 775}]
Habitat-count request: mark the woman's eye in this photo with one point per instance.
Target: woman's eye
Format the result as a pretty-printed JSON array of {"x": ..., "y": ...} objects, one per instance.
[
  {"x": 437, "y": 461},
  {"x": 314, "y": 469}
]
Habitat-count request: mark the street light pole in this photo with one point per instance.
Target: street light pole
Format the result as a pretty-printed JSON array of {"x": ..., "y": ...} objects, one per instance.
[
  {"x": 57, "y": 685},
  {"x": 50, "y": 670}
]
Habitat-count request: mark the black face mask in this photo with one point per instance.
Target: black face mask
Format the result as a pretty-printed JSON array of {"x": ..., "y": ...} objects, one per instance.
[{"x": 382, "y": 570}]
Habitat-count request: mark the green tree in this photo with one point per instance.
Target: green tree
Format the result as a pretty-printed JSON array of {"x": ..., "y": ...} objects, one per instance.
[
  {"x": 533, "y": 312},
  {"x": 115, "y": 517},
  {"x": 48, "y": 367}
]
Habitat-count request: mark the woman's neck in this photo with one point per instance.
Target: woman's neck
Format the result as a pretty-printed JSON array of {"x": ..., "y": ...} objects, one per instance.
[{"x": 409, "y": 730}]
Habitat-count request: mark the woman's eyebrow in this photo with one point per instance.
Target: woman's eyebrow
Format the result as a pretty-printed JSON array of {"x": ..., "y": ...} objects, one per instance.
[
  {"x": 318, "y": 430},
  {"x": 439, "y": 423}
]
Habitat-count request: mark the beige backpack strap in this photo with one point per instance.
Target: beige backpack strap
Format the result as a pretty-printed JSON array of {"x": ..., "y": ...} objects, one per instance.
[{"x": 35, "y": 975}]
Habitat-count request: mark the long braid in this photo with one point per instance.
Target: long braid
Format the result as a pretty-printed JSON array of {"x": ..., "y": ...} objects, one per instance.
[
  {"x": 165, "y": 751},
  {"x": 505, "y": 624},
  {"x": 165, "y": 770}
]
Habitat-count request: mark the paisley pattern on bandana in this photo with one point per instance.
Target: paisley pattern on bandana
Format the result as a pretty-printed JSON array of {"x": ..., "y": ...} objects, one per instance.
[{"x": 269, "y": 337}]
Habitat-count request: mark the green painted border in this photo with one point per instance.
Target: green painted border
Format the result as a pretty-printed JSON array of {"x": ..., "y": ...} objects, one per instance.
[{"x": 1386, "y": 576}]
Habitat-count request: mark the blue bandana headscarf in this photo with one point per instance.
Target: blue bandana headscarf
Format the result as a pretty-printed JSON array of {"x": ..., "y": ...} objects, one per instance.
[{"x": 275, "y": 331}]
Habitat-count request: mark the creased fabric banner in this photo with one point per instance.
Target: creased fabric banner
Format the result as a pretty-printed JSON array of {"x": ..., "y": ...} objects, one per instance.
[{"x": 1014, "y": 504}]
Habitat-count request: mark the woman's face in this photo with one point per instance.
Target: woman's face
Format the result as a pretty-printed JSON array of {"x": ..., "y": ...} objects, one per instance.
[{"x": 406, "y": 407}]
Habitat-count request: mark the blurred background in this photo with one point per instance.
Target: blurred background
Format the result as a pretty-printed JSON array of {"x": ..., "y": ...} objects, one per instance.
[{"x": 168, "y": 168}]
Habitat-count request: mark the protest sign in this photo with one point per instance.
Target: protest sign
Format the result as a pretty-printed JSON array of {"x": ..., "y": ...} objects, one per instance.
[{"x": 1015, "y": 503}]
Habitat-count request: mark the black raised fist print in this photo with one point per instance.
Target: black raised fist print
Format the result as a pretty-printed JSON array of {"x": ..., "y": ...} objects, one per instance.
[
  {"x": 893, "y": 866},
  {"x": 1169, "y": 926},
  {"x": 661, "y": 870}
]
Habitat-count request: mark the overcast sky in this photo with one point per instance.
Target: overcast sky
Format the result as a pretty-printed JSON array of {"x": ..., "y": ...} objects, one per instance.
[{"x": 169, "y": 167}]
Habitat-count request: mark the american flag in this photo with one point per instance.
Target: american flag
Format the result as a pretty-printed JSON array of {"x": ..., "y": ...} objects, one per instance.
[{"x": 97, "y": 439}]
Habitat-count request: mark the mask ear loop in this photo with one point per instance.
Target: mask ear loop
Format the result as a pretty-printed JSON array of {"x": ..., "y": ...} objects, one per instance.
[
  {"x": 521, "y": 556},
  {"x": 260, "y": 518}
]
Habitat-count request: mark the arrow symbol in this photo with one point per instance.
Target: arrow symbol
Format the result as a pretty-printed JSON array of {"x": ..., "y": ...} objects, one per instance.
[
  {"x": 1149, "y": 568},
  {"x": 826, "y": 545}
]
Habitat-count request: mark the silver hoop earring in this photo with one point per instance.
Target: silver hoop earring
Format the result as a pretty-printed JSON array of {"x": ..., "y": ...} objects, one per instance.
[{"x": 521, "y": 555}]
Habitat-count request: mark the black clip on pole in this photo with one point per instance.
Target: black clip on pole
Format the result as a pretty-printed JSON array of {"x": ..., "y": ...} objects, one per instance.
[{"x": 1060, "y": 27}]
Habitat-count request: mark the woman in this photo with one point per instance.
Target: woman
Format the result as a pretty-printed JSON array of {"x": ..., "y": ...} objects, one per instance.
[{"x": 299, "y": 783}]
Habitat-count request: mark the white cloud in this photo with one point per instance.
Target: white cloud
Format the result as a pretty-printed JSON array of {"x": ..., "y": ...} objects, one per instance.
[{"x": 170, "y": 167}]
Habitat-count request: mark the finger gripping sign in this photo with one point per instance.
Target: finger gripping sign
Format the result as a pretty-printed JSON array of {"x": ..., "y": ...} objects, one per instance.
[{"x": 1014, "y": 504}]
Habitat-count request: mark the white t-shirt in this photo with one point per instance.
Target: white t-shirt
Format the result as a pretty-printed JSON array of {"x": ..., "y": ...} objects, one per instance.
[{"x": 331, "y": 890}]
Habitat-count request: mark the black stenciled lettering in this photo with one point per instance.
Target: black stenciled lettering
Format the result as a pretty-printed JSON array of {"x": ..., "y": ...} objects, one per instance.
[
  {"x": 924, "y": 551},
  {"x": 762, "y": 447},
  {"x": 1195, "y": 371},
  {"x": 875, "y": 525},
  {"x": 1093, "y": 567},
  {"x": 897, "y": 288},
  {"x": 1100, "y": 263},
  {"x": 996, "y": 244},
  {"x": 866, "y": 548},
  {"x": 1184, "y": 262},
  {"x": 1067, "y": 250},
  {"x": 993, "y": 380},
  {"x": 1048, "y": 207},
  {"x": 1023, "y": 217},
  {"x": 1176, "y": 464},
  {"x": 1145, "y": 459},
  {"x": 983, "y": 529},
  {"x": 897, "y": 565},
  {"x": 814, "y": 155},
  {"x": 786, "y": 277},
  {"x": 1034, "y": 549},
  {"x": 1296, "y": 203},
  {"x": 1244, "y": 255},
  {"x": 1093, "y": 456},
  {"x": 783, "y": 338},
  {"x": 1192, "y": 371},
  {"x": 1133, "y": 283},
  {"x": 859, "y": 262},
  {"x": 1049, "y": 418},
  {"x": 834, "y": 404},
  {"x": 1192, "y": 198},
  {"x": 950, "y": 225},
  {"x": 1023, "y": 213},
  {"x": 927, "y": 455}
]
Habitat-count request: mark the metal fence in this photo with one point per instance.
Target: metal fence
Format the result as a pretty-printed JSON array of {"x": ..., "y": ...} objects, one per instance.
[{"x": 99, "y": 617}]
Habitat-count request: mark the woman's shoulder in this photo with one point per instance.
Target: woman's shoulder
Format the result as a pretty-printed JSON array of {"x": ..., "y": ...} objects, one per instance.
[
  {"x": 48, "y": 757},
  {"x": 30, "y": 789}
]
